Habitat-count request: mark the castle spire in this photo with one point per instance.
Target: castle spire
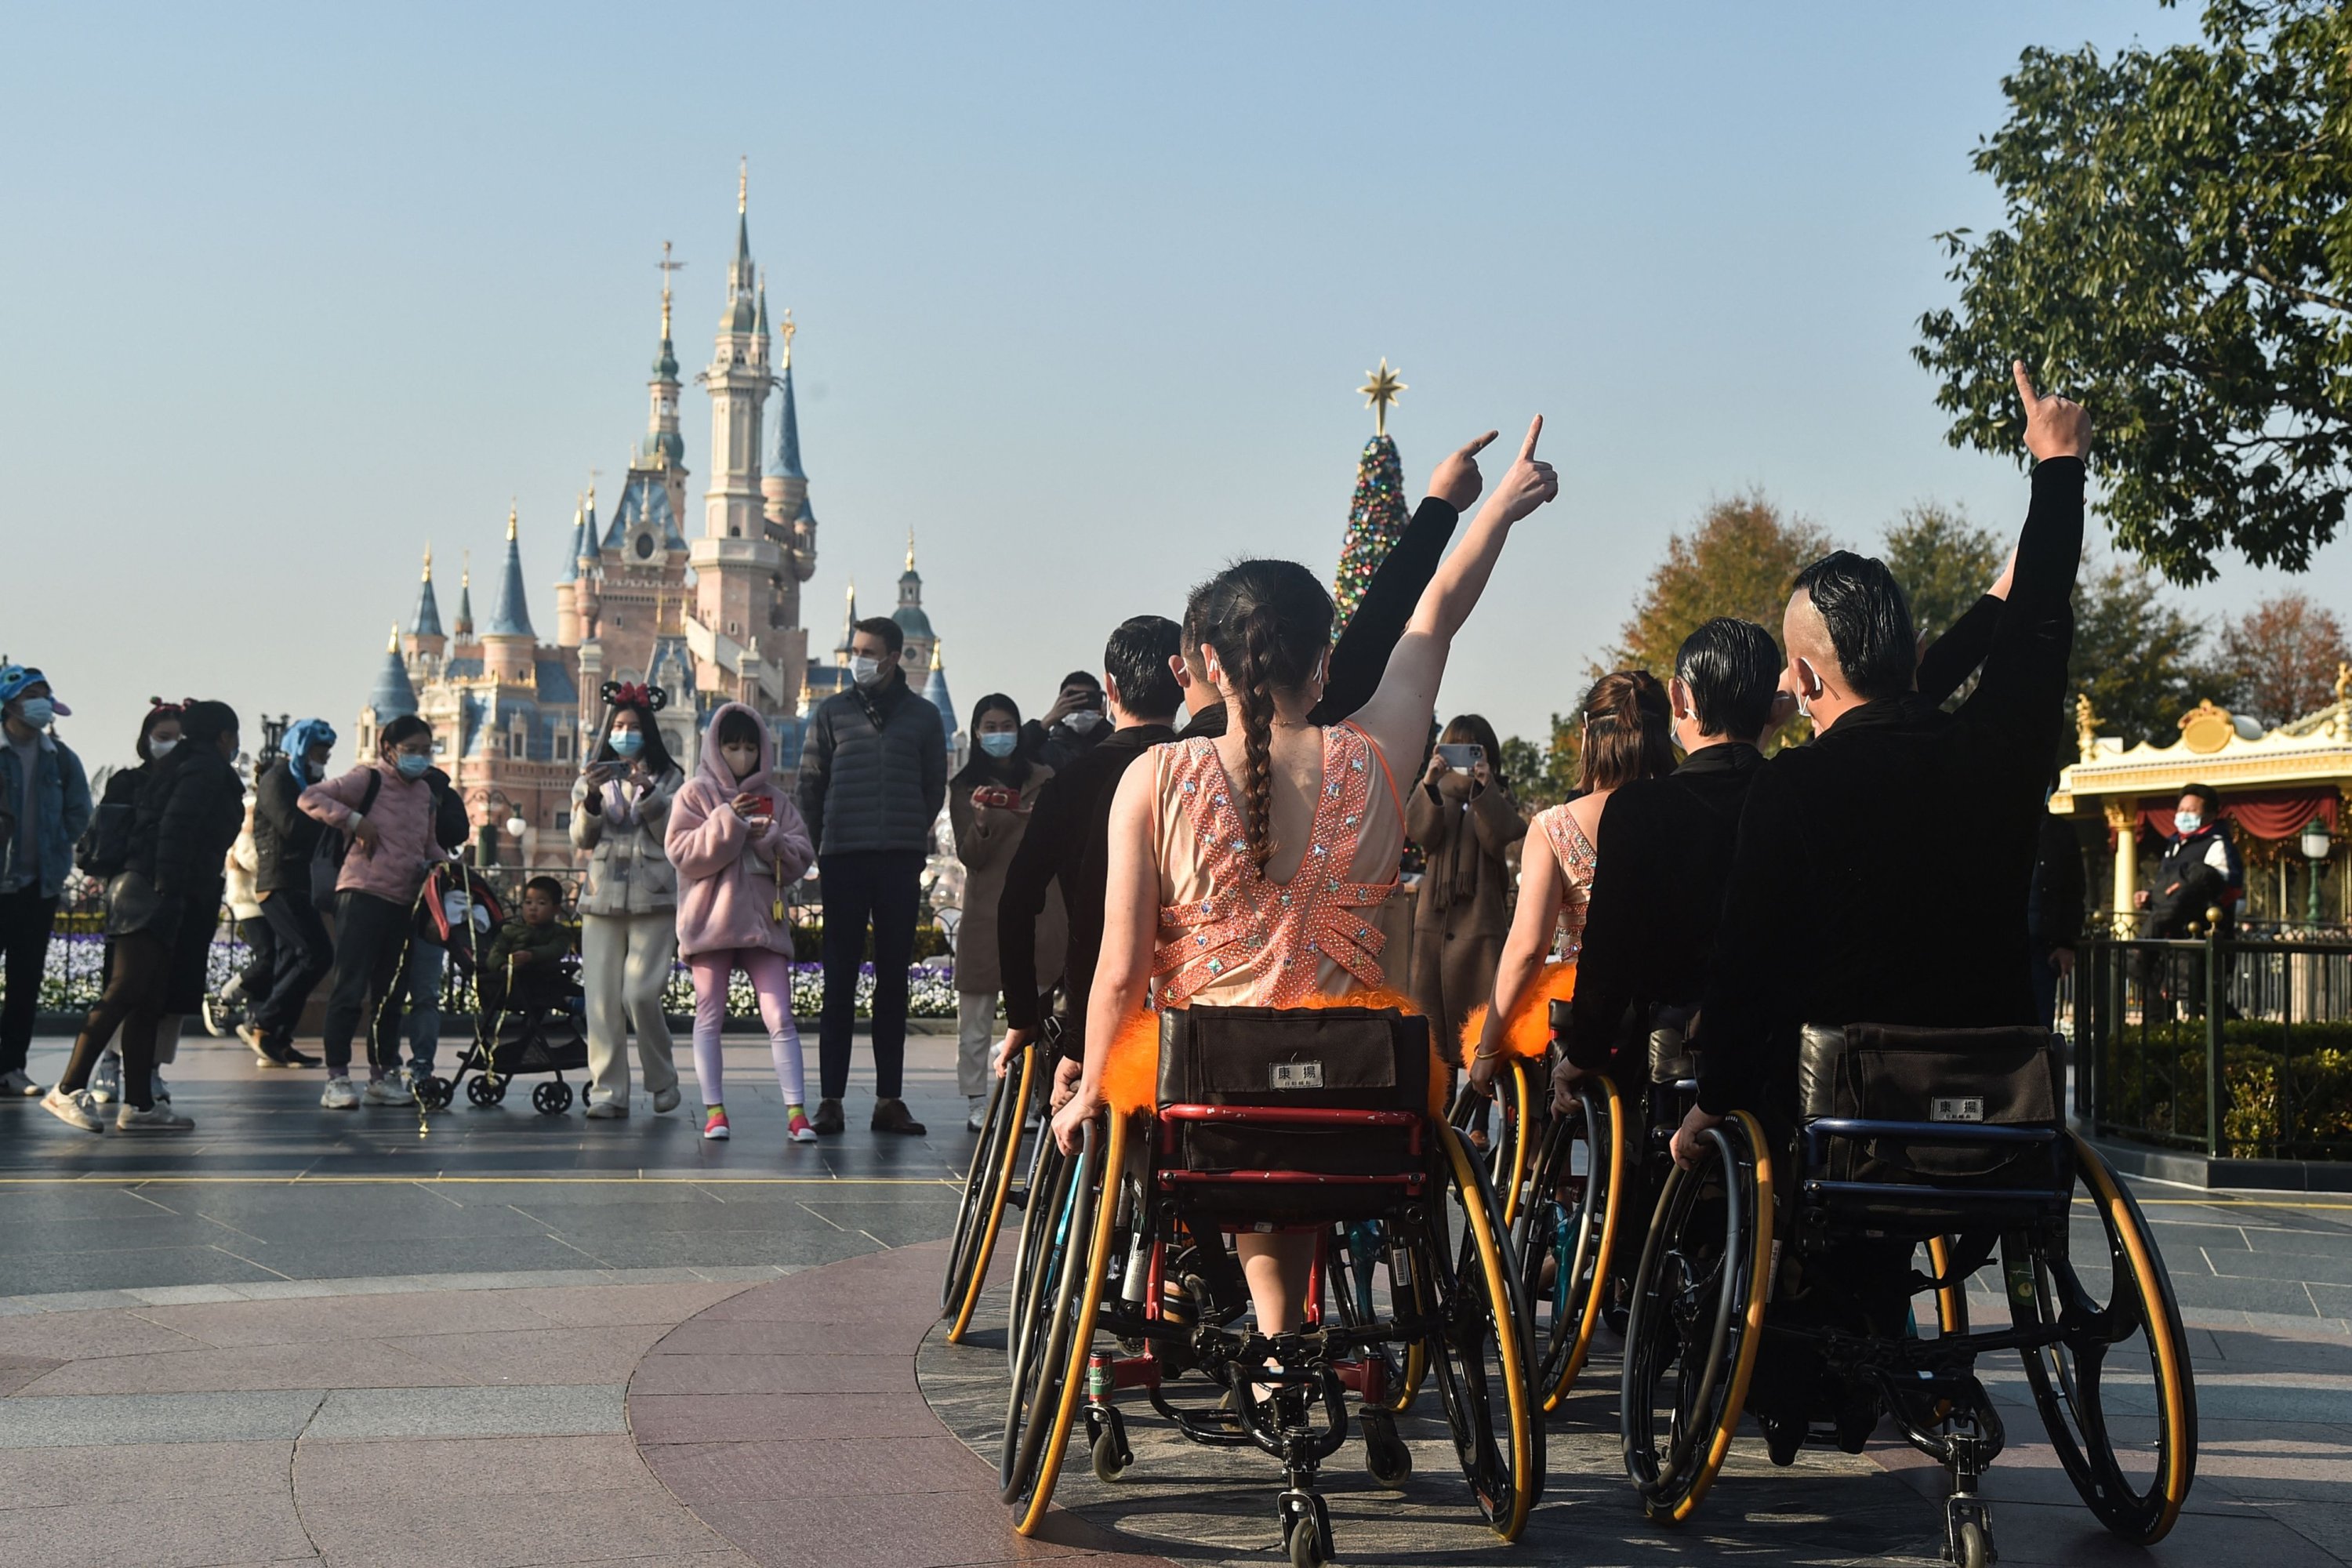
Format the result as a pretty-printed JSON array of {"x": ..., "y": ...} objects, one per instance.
[
  {"x": 426, "y": 621},
  {"x": 788, "y": 420},
  {"x": 393, "y": 697},
  {"x": 465, "y": 625},
  {"x": 571, "y": 572},
  {"x": 510, "y": 613}
]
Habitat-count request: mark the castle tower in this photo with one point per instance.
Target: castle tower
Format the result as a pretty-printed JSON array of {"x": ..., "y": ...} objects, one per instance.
[
  {"x": 393, "y": 697},
  {"x": 662, "y": 446},
  {"x": 425, "y": 640},
  {"x": 916, "y": 658},
  {"x": 567, "y": 582},
  {"x": 508, "y": 645},
  {"x": 738, "y": 568},
  {"x": 462, "y": 629}
]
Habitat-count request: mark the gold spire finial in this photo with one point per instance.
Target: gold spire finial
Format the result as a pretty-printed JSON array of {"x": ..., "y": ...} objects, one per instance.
[
  {"x": 910, "y": 547},
  {"x": 787, "y": 334},
  {"x": 1380, "y": 389},
  {"x": 743, "y": 186},
  {"x": 510, "y": 520},
  {"x": 428, "y": 560},
  {"x": 393, "y": 644},
  {"x": 466, "y": 570},
  {"x": 668, "y": 267}
]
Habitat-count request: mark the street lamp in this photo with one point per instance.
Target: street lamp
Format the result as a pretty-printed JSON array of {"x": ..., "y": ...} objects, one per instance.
[{"x": 2317, "y": 845}]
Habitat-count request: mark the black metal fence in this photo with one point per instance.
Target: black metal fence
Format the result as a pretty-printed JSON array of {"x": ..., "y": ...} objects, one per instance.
[{"x": 2236, "y": 1047}]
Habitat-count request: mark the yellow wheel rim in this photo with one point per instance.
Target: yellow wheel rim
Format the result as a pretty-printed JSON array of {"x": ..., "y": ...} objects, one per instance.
[
  {"x": 1760, "y": 1290},
  {"x": 1074, "y": 1374},
  {"x": 2162, "y": 1332},
  {"x": 1507, "y": 1338},
  {"x": 1518, "y": 1144},
  {"x": 1600, "y": 1259},
  {"x": 996, "y": 1200}
]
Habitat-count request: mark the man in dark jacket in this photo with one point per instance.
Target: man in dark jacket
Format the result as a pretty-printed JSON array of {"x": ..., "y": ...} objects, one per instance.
[
  {"x": 44, "y": 807},
  {"x": 1848, "y": 901},
  {"x": 2201, "y": 873},
  {"x": 285, "y": 849},
  {"x": 873, "y": 774},
  {"x": 1075, "y": 725}
]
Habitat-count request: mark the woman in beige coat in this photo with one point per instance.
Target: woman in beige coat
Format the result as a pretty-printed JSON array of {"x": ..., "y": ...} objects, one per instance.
[
  {"x": 1465, "y": 822},
  {"x": 988, "y": 805},
  {"x": 628, "y": 907}
]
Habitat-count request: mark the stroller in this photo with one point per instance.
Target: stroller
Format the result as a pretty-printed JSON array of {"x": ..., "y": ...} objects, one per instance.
[{"x": 526, "y": 1023}]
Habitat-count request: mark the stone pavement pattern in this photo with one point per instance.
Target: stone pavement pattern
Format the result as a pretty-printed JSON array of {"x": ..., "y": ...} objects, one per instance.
[{"x": 307, "y": 1338}]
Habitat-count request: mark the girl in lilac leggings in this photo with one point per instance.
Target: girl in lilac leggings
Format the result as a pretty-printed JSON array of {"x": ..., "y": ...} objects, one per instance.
[{"x": 738, "y": 842}]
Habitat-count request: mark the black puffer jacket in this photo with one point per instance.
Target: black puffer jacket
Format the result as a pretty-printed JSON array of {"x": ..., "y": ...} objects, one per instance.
[
  {"x": 285, "y": 837},
  {"x": 874, "y": 770},
  {"x": 189, "y": 813}
]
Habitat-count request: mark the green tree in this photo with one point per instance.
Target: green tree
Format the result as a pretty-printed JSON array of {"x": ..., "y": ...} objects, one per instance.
[
  {"x": 1737, "y": 560},
  {"x": 2276, "y": 662},
  {"x": 2178, "y": 258},
  {"x": 1542, "y": 775},
  {"x": 1944, "y": 562},
  {"x": 2134, "y": 654}
]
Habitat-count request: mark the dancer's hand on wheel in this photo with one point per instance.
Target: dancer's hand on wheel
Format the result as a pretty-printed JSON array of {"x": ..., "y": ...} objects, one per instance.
[
  {"x": 1482, "y": 1074},
  {"x": 1565, "y": 1076},
  {"x": 1070, "y": 1121},
  {"x": 1686, "y": 1137},
  {"x": 1009, "y": 1048},
  {"x": 1065, "y": 1082},
  {"x": 1530, "y": 482},
  {"x": 2054, "y": 426},
  {"x": 1457, "y": 481}
]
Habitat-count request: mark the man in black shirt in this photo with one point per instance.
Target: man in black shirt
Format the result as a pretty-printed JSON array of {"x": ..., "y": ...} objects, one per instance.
[{"x": 1852, "y": 897}]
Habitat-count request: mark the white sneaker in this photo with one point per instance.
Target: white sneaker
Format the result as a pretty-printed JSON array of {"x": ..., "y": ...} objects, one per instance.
[
  {"x": 667, "y": 1100},
  {"x": 608, "y": 1110},
  {"x": 340, "y": 1094},
  {"x": 72, "y": 1109},
  {"x": 106, "y": 1078},
  {"x": 979, "y": 1117},
  {"x": 391, "y": 1089},
  {"x": 162, "y": 1118}
]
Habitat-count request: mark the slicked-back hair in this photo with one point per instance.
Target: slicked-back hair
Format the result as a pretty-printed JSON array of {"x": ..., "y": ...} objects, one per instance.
[
  {"x": 1733, "y": 669},
  {"x": 893, "y": 636},
  {"x": 1137, "y": 657},
  {"x": 1869, "y": 622}
]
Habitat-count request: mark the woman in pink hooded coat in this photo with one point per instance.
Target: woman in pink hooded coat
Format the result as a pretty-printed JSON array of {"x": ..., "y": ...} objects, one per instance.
[{"x": 738, "y": 842}]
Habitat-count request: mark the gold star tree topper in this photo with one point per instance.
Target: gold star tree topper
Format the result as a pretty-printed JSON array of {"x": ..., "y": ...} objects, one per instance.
[{"x": 1380, "y": 389}]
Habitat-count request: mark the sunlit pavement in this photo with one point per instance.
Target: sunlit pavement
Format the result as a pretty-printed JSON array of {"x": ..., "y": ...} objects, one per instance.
[{"x": 303, "y": 1336}]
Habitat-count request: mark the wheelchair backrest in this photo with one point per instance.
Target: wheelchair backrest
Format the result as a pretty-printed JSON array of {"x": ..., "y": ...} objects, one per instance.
[
  {"x": 1941, "y": 1084},
  {"x": 1347, "y": 1058}
]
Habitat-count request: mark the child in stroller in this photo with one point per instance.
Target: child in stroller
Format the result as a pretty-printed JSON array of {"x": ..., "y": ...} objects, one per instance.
[{"x": 527, "y": 1005}]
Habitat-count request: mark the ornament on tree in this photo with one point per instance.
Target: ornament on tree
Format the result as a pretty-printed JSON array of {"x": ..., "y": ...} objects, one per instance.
[{"x": 1377, "y": 515}]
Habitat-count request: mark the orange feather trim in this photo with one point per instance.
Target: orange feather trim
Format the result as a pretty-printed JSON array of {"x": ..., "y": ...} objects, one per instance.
[
  {"x": 1131, "y": 1073},
  {"x": 1528, "y": 1032}
]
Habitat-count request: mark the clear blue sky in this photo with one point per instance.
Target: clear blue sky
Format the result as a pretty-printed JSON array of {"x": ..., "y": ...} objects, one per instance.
[{"x": 1084, "y": 293}]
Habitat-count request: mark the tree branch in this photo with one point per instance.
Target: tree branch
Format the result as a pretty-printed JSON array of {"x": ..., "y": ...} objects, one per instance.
[{"x": 2260, "y": 273}]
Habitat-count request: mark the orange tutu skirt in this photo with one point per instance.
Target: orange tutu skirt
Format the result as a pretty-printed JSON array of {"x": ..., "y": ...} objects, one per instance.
[{"x": 1526, "y": 1032}]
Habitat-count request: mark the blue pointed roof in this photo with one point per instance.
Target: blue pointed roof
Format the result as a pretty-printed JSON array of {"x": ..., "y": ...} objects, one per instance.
[
  {"x": 393, "y": 697},
  {"x": 426, "y": 621},
  {"x": 644, "y": 498},
  {"x": 788, "y": 435},
  {"x": 510, "y": 615},
  {"x": 935, "y": 692},
  {"x": 571, "y": 572}
]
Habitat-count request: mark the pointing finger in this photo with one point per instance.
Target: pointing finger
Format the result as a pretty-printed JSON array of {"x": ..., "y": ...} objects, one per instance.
[
  {"x": 1528, "y": 446},
  {"x": 2024, "y": 383},
  {"x": 1479, "y": 445}
]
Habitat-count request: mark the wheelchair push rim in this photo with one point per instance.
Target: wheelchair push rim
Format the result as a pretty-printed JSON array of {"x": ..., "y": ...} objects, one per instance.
[
  {"x": 1484, "y": 1352},
  {"x": 1359, "y": 1254},
  {"x": 1709, "y": 1313},
  {"x": 2132, "y": 1459},
  {"x": 1060, "y": 1355},
  {"x": 987, "y": 1187},
  {"x": 1506, "y": 1155},
  {"x": 1575, "y": 1239}
]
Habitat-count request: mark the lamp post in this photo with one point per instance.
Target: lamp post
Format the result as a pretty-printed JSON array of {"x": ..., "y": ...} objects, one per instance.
[{"x": 2317, "y": 845}]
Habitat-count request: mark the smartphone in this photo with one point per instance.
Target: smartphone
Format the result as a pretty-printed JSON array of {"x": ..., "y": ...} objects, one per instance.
[
  {"x": 1462, "y": 758},
  {"x": 763, "y": 805}
]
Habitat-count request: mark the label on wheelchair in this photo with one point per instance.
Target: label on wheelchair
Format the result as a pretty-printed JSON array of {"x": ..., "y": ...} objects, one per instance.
[
  {"x": 1969, "y": 1108},
  {"x": 1297, "y": 1075}
]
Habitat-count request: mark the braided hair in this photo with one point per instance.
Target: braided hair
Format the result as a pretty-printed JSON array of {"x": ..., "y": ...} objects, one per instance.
[{"x": 1270, "y": 623}]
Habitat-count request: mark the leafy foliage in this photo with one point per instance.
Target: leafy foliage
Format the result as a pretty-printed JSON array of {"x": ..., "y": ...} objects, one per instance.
[
  {"x": 1739, "y": 561},
  {"x": 1944, "y": 563},
  {"x": 2277, "y": 661},
  {"x": 2178, "y": 258},
  {"x": 1542, "y": 775},
  {"x": 2135, "y": 654}
]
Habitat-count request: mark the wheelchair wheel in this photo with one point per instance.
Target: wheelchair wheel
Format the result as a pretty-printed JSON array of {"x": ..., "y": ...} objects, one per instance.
[
  {"x": 1568, "y": 1233},
  {"x": 1481, "y": 1360},
  {"x": 553, "y": 1097},
  {"x": 1696, "y": 1320},
  {"x": 984, "y": 1189},
  {"x": 1508, "y": 1153},
  {"x": 2115, "y": 1392},
  {"x": 1038, "y": 1218},
  {"x": 1952, "y": 1301},
  {"x": 1065, "y": 1293},
  {"x": 1364, "y": 1261}
]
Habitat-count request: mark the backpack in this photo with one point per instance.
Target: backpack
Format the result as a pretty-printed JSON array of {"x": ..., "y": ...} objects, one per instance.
[{"x": 327, "y": 859}]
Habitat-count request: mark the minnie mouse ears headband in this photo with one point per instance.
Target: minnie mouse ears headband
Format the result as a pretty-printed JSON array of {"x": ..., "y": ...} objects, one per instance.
[{"x": 634, "y": 694}]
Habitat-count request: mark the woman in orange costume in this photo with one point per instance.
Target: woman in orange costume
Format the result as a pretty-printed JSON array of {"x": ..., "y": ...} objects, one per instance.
[
  {"x": 1628, "y": 734},
  {"x": 1242, "y": 869}
]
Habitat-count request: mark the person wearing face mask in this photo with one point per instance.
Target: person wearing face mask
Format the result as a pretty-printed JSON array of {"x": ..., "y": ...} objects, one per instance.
[
  {"x": 2201, "y": 872},
  {"x": 45, "y": 808},
  {"x": 105, "y": 848},
  {"x": 288, "y": 873},
  {"x": 737, "y": 844},
  {"x": 1073, "y": 726},
  {"x": 163, "y": 905},
  {"x": 989, "y": 805},
  {"x": 387, "y": 809},
  {"x": 628, "y": 906},
  {"x": 873, "y": 774}
]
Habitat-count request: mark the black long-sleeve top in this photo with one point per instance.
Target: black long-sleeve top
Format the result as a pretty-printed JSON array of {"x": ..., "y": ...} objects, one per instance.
[
  {"x": 1069, "y": 826},
  {"x": 1882, "y": 873}
]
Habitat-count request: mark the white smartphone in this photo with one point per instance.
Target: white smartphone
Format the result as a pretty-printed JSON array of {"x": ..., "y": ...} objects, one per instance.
[{"x": 1462, "y": 758}]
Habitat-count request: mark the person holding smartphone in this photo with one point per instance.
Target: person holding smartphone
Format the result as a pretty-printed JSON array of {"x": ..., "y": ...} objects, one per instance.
[
  {"x": 990, "y": 805},
  {"x": 628, "y": 905},
  {"x": 1464, "y": 820},
  {"x": 1076, "y": 724}
]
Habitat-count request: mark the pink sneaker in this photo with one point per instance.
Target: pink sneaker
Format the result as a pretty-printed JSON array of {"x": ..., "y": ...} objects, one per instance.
[
  {"x": 714, "y": 1126},
  {"x": 799, "y": 1131}
]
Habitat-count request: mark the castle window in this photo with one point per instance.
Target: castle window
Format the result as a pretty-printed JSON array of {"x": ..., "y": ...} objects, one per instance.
[
  {"x": 563, "y": 821},
  {"x": 563, "y": 745}
]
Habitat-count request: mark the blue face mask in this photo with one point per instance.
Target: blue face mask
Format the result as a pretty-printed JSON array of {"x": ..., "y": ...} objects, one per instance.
[
  {"x": 36, "y": 712},
  {"x": 2188, "y": 821},
  {"x": 411, "y": 765},
  {"x": 999, "y": 743},
  {"x": 628, "y": 742}
]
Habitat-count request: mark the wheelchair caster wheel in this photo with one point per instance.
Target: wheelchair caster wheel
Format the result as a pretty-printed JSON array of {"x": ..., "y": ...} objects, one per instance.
[
  {"x": 485, "y": 1091},
  {"x": 1107, "y": 1443},
  {"x": 1975, "y": 1551},
  {"x": 434, "y": 1093},
  {"x": 1386, "y": 1459},
  {"x": 1306, "y": 1528},
  {"x": 553, "y": 1097},
  {"x": 1108, "y": 1467}
]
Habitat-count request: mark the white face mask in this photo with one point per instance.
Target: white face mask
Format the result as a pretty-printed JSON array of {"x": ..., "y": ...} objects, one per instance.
[
  {"x": 1083, "y": 720},
  {"x": 158, "y": 750},
  {"x": 2187, "y": 822},
  {"x": 865, "y": 671}
]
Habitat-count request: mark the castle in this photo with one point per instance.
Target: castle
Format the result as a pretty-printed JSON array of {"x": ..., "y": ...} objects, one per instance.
[{"x": 714, "y": 618}]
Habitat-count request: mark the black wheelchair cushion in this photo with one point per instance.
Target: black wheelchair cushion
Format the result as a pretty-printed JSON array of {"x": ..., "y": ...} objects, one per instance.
[
  {"x": 1340, "y": 1058},
  {"x": 1887, "y": 1072},
  {"x": 1673, "y": 1059}
]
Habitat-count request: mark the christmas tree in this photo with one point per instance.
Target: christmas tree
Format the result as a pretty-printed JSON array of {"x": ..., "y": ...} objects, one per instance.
[{"x": 1376, "y": 517}]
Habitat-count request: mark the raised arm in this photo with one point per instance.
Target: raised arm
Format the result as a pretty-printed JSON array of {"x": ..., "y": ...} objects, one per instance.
[
  {"x": 1398, "y": 715},
  {"x": 1130, "y": 921}
]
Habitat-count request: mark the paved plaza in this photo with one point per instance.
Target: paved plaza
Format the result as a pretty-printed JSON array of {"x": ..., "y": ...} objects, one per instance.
[{"x": 493, "y": 1337}]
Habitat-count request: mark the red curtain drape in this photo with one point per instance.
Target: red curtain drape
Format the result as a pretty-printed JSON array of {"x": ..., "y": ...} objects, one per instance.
[{"x": 2256, "y": 813}]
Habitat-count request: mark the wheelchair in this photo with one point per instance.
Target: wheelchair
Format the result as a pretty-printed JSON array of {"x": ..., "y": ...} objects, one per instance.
[
  {"x": 1777, "y": 1277},
  {"x": 1319, "y": 1120},
  {"x": 989, "y": 1188}
]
